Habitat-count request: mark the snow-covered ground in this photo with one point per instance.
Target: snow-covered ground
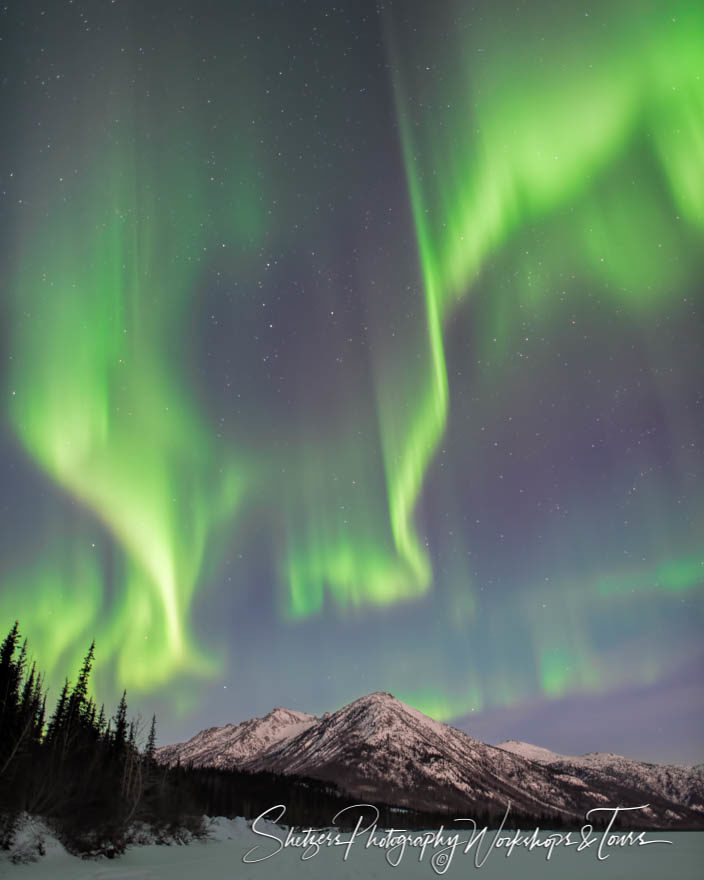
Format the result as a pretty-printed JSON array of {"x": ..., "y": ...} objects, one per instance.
[{"x": 222, "y": 857}]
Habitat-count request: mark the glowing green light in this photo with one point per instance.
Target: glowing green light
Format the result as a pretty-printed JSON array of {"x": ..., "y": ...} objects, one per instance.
[{"x": 101, "y": 404}]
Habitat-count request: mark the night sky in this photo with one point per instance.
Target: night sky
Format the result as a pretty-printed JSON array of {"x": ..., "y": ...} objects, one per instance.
[{"x": 359, "y": 347}]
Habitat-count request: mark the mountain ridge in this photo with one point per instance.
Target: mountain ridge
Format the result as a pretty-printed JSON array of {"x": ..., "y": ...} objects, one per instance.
[
  {"x": 378, "y": 748},
  {"x": 682, "y": 783}
]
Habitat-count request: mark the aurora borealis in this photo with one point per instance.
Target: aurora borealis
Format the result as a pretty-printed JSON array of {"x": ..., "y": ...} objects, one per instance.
[{"x": 359, "y": 348}]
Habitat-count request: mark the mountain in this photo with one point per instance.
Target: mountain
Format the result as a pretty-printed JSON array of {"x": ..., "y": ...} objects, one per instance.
[
  {"x": 683, "y": 785},
  {"x": 235, "y": 744},
  {"x": 379, "y": 749}
]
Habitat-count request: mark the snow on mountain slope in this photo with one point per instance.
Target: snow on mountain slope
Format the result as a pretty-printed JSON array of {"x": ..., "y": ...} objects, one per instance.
[
  {"x": 379, "y": 749},
  {"x": 683, "y": 785},
  {"x": 530, "y": 752},
  {"x": 235, "y": 744}
]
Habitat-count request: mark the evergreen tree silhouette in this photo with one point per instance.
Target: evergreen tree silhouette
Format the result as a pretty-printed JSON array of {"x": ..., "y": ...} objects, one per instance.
[
  {"x": 58, "y": 719},
  {"x": 9, "y": 679},
  {"x": 150, "y": 748},
  {"x": 119, "y": 736}
]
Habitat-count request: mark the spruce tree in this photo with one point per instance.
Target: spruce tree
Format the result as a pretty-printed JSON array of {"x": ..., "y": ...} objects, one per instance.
[
  {"x": 119, "y": 739},
  {"x": 150, "y": 749},
  {"x": 10, "y": 673},
  {"x": 78, "y": 701},
  {"x": 101, "y": 723},
  {"x": 57, "y": 723}
]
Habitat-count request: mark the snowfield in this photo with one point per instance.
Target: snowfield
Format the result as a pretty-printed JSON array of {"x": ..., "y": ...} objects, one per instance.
[{"x": 222, "y": 857}]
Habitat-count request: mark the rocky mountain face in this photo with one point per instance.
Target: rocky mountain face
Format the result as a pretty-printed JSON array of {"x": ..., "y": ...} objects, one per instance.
[
  {"x": 682, "y": 785},
  {"x": 379, "y": 749},
  {"x": 234, "y": 745}
]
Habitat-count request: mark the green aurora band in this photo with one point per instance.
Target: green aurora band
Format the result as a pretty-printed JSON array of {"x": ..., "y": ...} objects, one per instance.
[
  {"x": 485, "y": 156},
  {"x": 113, "y": 426},
  {"x": 99, "y": 395},
  {"x": 596, "y": 136}
]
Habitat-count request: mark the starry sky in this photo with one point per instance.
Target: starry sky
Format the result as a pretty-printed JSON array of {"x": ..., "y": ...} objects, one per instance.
[{"x": 358, "y": 346}]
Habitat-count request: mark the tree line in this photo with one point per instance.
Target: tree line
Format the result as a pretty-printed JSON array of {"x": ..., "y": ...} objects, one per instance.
[
  {"x": 80, "y": 769},
  {"x": 86, "y": 773}
]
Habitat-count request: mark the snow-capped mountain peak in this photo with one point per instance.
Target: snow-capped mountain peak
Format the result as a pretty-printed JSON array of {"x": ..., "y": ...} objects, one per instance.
[
  {"x": 377, "y": 748},
  {"x": 235, "y": 744}
]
